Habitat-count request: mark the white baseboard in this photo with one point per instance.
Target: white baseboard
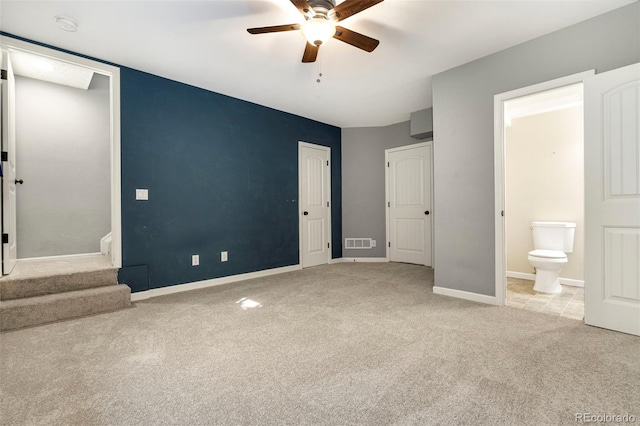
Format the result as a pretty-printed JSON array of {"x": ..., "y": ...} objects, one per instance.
[
  {"x": 532, "y": 277},
  {"x": 572, "y": 282},
  {"x": 105, "y": 244},
  {"x": 365, "y": 259},
  {"x": 155, "y": 292},
  {"x": 521, "y": 275},
  {"x": 460, "y": 294},
  {"x": 62, "y": 257}
]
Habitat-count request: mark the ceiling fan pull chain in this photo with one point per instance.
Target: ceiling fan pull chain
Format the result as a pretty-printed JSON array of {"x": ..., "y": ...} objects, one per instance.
[{"x": 319, "y": 71}]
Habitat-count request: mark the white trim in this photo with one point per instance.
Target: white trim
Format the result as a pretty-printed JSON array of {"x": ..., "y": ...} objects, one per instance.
[
  {"x": 460, "y": 294},
  {"x": 386, "y": 195},
  {"x": 532, "y": 277},
  {"x": 521, "y": 275},
  {"x": 499, "y": 165},
  {"x": 114, "y": 77},
  {"x": 179, "y": 288},
  {"x": 328, "y": 183},
  {"x": 365, "y": 259},
  {"x": 571, "y": 282},
  {"x": 62, "y": 257}
]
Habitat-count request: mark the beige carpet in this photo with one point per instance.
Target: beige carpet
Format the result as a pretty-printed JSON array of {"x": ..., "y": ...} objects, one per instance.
[
  {"x": 344, "y": 344},
  {"x": 35, "y": 268}
]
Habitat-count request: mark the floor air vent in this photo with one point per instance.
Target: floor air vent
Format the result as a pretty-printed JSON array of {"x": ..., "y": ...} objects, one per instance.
[{"x": 359, "y": 243}]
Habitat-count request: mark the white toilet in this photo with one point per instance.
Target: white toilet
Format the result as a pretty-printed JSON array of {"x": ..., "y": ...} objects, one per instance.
[{"x": 551, "y": 242}]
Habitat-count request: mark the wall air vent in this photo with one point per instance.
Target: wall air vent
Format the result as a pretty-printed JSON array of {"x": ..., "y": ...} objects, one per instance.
[{"x": 359, "y": 243}]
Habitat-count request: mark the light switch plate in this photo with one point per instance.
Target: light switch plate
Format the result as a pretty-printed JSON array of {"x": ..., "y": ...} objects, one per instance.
[
  {"x": 224, "y": 256},
  {"x": 195, "y": 260},
  {"x": 142, "y": 194}
]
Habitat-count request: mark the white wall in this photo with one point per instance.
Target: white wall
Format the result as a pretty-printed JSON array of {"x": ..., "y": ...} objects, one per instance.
[
  {"x": 63, "y": 156},
  {"x": 463, "y": 133},
  {"x": 544, "y": 182}
]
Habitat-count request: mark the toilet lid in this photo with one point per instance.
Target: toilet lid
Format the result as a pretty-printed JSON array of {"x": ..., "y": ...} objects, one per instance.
[{"x": 548, "y": 254}]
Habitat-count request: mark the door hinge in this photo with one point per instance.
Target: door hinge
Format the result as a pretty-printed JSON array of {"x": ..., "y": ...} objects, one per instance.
[
  {"x": 327, "y": 162},
  {"x": 328, "y": 245},
  {"x": 3, "y": 74},
  {"x": 5, "y": 238},
  {"x": 5, "y": 156},
  {"x": 389, "y": 243},
  {"x": 327, "y": 204},
  {"x": 502, "y": 213},
  {"x": 388, "y": 164},
  {"x": 388, "y": 203}
]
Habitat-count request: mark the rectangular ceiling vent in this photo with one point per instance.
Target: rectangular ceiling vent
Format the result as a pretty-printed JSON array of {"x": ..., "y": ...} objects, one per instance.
[{"x": 359, "y": 243}]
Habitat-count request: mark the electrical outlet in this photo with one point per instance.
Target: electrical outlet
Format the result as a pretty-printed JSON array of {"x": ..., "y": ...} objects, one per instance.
[
  {"x": 373, "y": 243},
  {"x": 195, "y": 260},
  {"x": 224, "y": 256}
]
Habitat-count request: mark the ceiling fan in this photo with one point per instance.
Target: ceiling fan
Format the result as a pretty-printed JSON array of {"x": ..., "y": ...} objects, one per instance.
[{"x": 319, "y": 25}]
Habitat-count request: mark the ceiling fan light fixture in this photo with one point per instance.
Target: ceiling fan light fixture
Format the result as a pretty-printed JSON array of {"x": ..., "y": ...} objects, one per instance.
[{"x": 318, "y": 31}]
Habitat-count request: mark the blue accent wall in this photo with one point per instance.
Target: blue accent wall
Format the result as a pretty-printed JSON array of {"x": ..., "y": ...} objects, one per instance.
[{"x": 222, "y": 174}]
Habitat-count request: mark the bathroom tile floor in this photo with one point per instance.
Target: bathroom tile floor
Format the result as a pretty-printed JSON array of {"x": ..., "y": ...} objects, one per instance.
[{"x": 568, "y": 304}]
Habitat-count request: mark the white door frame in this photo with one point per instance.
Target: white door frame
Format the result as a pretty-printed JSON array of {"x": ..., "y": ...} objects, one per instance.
[
  {"x": 499, "y": 169},
  {"x": 386, "y": 194},
  {"x": 114, "y": 78},
  {"x": 328, "y": 184}
]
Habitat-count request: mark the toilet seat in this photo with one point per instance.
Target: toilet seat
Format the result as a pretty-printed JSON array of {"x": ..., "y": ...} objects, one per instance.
[{"x": 548, "y": 254}]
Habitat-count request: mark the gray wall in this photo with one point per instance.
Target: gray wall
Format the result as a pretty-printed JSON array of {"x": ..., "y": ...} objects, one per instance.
[
  {"x": 363, "y": 201},
  {"x": 62, "y": 153},
  {"x": 463, "y": 133}
]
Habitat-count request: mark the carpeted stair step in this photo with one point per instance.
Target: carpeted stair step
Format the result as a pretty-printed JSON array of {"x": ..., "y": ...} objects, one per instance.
[
  {"x": 22, "y": 287},
  {"x": 25, "y": 312}
]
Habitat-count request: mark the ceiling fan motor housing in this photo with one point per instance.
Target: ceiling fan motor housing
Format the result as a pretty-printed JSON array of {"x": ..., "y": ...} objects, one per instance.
[{"x": 320, "y": 8}]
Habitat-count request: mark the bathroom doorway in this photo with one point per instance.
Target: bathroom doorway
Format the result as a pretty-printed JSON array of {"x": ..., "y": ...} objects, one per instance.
[{"x": 542, "y": 176}]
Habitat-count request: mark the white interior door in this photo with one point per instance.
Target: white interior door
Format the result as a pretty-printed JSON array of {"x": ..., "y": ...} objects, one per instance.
[
  {"x": 612, "y": 199},
  {"x": 409, "y": 204},
  {"x": 9, "y": 248},
  {"x": 315, "y": 196}
]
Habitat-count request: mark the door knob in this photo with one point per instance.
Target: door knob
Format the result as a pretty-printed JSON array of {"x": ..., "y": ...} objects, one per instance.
[
  {"x": 305, "y": 213},
  {"x": 19, "y": 181},
  {"x": 427, "y": 212}
]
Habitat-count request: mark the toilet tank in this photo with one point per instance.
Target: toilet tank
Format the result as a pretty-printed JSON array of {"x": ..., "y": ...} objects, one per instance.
[{"x": 553, "y": 236}]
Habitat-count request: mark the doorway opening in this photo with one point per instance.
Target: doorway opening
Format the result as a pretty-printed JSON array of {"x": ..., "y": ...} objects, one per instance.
[
  {"x": 539, "y": 181},
  {"x": 62, "y": 134}
]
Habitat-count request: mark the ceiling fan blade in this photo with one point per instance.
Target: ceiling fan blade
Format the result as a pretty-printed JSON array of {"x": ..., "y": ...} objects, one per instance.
[
  {"x": 303, "y": 6},
  {"x": 274, "y": 29},
  {"x": 310, "y": 52},
  {"x": 350, "y": 7},
  {"x": 356, "y": 39}
]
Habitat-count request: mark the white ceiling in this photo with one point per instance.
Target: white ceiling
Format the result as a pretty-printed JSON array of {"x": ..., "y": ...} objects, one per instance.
[{"x": 205, "y": 44}]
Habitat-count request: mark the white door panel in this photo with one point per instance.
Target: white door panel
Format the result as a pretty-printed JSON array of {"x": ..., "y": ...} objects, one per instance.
[
  {"x": 612, "y": 198},
  {"x": 315, "y": 226},
  {"x": 409, "y": 204},
  {"x": 9, "y": 249},
  {"x": 406, "y": 231},
  {"x": 315, "y": 235}
]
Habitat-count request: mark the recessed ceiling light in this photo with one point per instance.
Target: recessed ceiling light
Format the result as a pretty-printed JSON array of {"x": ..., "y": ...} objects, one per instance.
[{"x": 66, "y": 24}]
